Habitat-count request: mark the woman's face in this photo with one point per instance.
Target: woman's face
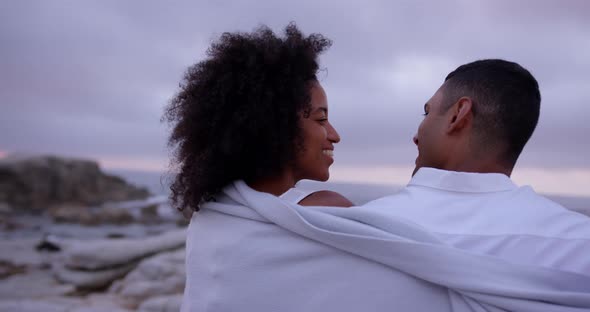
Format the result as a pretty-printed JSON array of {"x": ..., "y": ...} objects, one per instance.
[{"x": 314, "y": 160}]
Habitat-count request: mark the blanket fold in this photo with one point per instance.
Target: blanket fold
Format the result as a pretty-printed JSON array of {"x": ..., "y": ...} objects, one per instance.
[{"x": 475, "y": 282}]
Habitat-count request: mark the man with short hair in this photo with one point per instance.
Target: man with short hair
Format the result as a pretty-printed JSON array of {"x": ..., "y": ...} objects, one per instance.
[
  {"x": 475, "y": 127},
  {"x": 489, "y": 109}
]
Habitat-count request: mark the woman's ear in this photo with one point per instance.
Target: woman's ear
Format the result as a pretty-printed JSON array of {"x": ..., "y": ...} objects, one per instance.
[{"x": 461, "y": 114}]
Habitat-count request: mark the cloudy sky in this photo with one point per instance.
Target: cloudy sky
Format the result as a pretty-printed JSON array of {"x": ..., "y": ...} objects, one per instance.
[{"x": 90, "y": 78}]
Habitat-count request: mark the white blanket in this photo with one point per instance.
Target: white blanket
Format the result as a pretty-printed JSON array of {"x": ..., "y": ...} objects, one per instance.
[{"x": 475, "y": 282}]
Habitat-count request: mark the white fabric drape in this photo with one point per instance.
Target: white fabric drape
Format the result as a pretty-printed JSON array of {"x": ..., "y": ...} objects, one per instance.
[{"x": 474, "y": 282}]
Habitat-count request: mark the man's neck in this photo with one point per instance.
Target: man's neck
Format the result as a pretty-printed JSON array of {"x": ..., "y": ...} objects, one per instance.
[{"x": 479, "y": 166}]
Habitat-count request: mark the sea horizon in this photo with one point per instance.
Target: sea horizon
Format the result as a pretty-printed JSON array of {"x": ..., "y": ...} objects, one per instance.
[{"x": 358, "y": 192}]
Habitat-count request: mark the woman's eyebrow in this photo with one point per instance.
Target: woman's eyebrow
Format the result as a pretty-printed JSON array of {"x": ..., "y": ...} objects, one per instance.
[{"x": 322, "y": 109}]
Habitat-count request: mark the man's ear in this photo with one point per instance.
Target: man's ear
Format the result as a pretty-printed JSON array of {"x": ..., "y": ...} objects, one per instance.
[{"x": 461, "y": 114}]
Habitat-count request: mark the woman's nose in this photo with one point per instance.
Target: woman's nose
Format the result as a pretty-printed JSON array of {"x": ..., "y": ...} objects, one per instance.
[{"x": 333, "y": 135}]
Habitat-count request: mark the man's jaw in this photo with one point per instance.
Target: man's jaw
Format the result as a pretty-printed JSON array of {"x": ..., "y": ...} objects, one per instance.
[{"x": 417, "y": 165}]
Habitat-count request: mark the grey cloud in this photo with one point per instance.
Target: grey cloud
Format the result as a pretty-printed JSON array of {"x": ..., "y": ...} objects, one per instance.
[{"x": 91, "y": 78}]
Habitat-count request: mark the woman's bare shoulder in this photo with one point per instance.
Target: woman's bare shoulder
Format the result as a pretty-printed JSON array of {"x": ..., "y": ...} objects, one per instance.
[{"x": 326, "y": 198}]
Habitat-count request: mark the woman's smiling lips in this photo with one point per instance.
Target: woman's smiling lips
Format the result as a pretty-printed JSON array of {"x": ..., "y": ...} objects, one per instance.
[{"x": 329, "y": 153}]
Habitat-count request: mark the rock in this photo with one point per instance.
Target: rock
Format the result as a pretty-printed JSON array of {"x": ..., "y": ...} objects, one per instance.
[
  {"x": 8, "y": 268},
  {"x": 162, "y": 304},
  {"x": 100, "y": 302},
  {"x": 162, "y": 274},
  {"x": 7, "y": 224},
  {"x": 48, "y": 243},
  {"x": 70, "y": 213},
  {"x": 119, "y": 213},
  {"x": 32, "y": 284},
  {"x": 150, "y": 211},
  {"x": 149, "y": 214},
  {"x": 22, "y": 252},
  {"x": 90, "y": 280},
  {"x": 99, "y": 308},
  {"x": 36, "y": 305},
  {"x": 109, "y": 253},
  {"x": 114, "y": 216},
  {"x": 90, "y": 216},
  {"x": 33, "y": 183},
  {"x": 62, "y": 304},
  {"x": 96, "y": 264},
  {"x": 5, "y": 208},
  {"x": 182, "y": 222},
  {"x": 115, "y": 235},
  {"x": 145, "y": 211}
]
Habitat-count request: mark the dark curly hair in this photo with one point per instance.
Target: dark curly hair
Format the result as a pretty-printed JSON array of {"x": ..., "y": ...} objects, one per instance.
[{"x": 236, "y": 115}]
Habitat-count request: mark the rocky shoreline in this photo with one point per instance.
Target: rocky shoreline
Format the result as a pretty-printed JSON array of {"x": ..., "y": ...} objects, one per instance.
[
  {"x": 142, "y": 269},
  {"x": 76, "y": 239},
  {"x": 150, "y": 280}
]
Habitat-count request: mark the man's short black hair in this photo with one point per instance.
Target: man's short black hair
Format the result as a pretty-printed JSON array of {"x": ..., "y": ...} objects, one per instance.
[{"x": 506, "y": 103}]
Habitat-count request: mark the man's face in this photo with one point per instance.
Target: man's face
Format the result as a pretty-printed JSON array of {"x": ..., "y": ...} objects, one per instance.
[{"x": 431, "y": 136}]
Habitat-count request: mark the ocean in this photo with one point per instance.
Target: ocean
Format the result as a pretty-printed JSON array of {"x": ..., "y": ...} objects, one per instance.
[{"x": 358, "y": 193}]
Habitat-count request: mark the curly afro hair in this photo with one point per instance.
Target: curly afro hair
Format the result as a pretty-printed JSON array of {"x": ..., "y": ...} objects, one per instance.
[{"x": 236, "y": 115}]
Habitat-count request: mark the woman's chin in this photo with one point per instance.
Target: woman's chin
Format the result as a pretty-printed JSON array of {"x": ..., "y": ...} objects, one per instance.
[
  {"x": 319, "y": 178},
  {"x": 324, "y": 177}
]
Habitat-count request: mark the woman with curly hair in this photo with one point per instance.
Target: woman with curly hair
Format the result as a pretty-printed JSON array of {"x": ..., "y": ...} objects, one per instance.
[{"x": 253, "y": 111}]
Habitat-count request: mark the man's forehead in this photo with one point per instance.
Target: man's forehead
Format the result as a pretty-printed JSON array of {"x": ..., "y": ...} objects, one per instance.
[{"x": 438, "y": 95}]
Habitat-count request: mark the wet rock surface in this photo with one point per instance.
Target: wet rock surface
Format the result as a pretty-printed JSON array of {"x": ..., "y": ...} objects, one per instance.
[{"x": 91, "y": 275}]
